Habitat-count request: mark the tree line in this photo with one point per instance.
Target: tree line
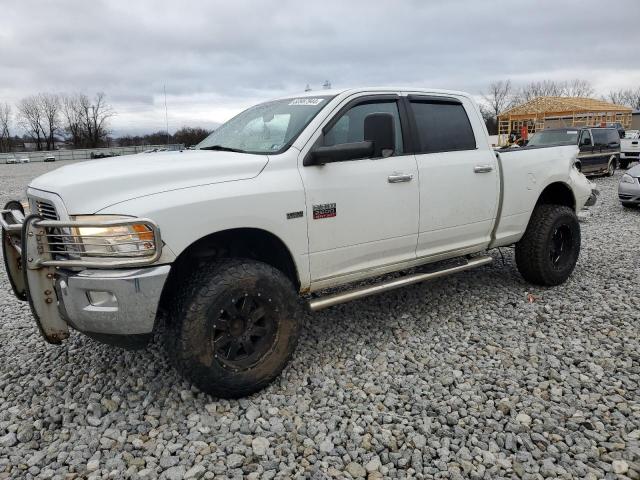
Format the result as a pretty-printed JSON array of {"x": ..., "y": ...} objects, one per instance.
[
  {"x": 187, "y": 136},
  {"x": 82, "y": 121},
  {"x": 502, "y": 95},
  {"x": 46, "y": 117}
]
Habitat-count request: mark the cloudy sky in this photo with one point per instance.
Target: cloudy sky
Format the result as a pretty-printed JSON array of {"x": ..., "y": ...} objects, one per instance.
[{"x": 217, "y": 57}]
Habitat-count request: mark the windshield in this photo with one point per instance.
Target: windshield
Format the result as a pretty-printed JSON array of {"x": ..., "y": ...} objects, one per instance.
[
  {"x": 269, "y": 127},
  {"x": 554, "y": 137}
]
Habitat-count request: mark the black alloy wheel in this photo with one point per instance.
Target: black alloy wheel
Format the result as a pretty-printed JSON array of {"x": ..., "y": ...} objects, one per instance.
[{"x": 243, "y": 331}]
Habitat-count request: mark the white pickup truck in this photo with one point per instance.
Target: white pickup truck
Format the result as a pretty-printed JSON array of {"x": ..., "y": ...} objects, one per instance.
[
  {"x": 224, "y": 245},
  {"x": 629, "y": 148}
]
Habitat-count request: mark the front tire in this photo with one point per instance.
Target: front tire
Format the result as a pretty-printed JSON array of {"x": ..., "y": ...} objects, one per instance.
[
  {"x": 611, "y": 168},
  {"x": 234, "y": 327},
  {"x": 547, "y": 253}
]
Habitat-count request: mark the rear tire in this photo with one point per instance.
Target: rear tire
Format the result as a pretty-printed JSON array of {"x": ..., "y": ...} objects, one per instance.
[
  {"x": 547, "y": 253},
  {"x": 234, "y": 327}
]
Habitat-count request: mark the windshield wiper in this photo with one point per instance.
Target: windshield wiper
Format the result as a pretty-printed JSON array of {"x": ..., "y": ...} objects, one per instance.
[{"x": 223, "y": 149}]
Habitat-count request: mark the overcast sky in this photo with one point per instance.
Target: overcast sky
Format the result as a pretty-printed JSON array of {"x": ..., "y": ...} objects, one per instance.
[{"x": 218, "y": 57}]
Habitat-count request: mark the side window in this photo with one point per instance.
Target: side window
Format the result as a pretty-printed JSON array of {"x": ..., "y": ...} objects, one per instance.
[
  {"x": 614, "y": 136},
  {"x": 585, "y": 138},
  {"x": 442, "y": 127},
  {"x": 599, "y": 137},
  {"x": 350, "y": 127}
]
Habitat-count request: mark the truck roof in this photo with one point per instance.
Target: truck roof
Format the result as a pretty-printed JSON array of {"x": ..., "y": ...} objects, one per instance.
[{"x": 335, "y": 92}]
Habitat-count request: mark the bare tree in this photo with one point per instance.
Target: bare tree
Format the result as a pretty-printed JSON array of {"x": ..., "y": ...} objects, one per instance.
[
  {"x": 498, "y": 98},
  {"x": 73, "y": 124},
  {"x": 49, "y": 104},
  {"x": 31, "y": 119},
  {"x": 95, "y": 115},
  {"x": 578, "y": 88},
  {"x": 629, "y": 97},
  {"x": 5, "y": 124},
  {"x": 544, "y": 88}
]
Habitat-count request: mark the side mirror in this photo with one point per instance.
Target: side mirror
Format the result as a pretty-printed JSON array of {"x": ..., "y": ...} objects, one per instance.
[
  {"x": 586, "y": 142},
  {"x": 339, "y": 153},
  {"x": 379, "y": 128}
]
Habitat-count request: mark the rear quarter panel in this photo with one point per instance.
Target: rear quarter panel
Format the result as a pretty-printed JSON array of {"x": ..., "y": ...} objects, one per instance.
[{"x": 526, "y": 173}]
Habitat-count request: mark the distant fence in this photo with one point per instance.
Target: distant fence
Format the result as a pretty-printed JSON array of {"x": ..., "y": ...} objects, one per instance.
[{"x": 85, "y": 153}]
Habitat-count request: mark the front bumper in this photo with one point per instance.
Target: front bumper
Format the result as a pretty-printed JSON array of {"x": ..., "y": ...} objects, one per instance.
[
  {"x": 111, "y": 302},
  {"x": 629, "y": 192},
  {"x": 92, "y": 296}
]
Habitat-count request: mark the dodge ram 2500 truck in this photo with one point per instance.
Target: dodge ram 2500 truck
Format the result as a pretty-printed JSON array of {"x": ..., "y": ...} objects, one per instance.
[{"x": 223, "y": 245}]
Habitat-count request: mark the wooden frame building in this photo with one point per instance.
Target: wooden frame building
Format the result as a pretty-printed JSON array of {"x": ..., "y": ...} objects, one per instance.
[{"x": 548, "y": 112}]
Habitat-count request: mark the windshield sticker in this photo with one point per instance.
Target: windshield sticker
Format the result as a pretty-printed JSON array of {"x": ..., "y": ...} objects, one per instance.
[{"x": 306, "y": 101}]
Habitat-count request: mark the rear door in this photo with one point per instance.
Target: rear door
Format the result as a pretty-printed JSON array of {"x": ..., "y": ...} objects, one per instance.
[
  {"x": 613, "y": 145},
  {"x": 601, "y": 144},
  {"x": 459, "y": 178}
]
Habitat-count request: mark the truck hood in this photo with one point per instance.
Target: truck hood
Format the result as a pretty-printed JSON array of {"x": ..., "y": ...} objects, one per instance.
[{"x": 87, "y": 187}]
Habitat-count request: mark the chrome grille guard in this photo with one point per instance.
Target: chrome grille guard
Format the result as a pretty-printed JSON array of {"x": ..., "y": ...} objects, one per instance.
[{"x": 44, "y": 241}]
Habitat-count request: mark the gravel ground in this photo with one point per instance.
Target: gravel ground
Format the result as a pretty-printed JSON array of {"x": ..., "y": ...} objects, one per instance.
[{"x": 458, "y": 378}]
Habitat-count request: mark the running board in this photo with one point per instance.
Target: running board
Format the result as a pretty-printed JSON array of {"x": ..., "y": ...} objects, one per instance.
[{"x": 336, "y": 299}]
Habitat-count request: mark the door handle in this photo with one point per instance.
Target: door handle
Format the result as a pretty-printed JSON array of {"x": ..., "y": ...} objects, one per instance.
[
  {"x": 400, "y": 177},
  {"x": 482, "y": 168}
]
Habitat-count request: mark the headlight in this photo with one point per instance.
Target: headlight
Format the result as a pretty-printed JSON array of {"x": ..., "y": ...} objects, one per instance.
[
  {"x": 124, "y": 238},
  {"x": 626, "y": 178}
]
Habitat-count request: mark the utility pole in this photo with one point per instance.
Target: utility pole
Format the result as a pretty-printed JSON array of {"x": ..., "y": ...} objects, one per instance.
[{"x": 166, "y": 114}]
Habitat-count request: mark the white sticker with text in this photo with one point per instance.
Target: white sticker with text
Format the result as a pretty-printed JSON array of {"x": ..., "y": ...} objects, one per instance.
[{"x": 306, "y": 101}]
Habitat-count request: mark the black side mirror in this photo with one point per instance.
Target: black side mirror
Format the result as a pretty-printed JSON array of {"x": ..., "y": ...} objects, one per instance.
[
  {"x": 379, "y": 128},
  {"x": 586, "y": 142},
  {"x": 339, "y": 153}
]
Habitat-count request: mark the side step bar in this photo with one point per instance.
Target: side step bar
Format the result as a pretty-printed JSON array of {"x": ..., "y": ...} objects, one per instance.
[{"x": 336, "y": 299}]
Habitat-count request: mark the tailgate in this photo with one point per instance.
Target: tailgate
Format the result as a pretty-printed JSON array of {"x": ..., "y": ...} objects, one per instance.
[{"x": 630, "y": 145}]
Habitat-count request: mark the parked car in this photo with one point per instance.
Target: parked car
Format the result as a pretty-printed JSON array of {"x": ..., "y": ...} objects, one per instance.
[
  {"x": 629, "y": 188},
  {"x": 49, "y": 158},
  {"x": 629, "y": 148},
  {"x": 11, "y": 160},
  {"x": 24, "y": 160},
  {"x": 599, "y": 148},
  {"x": 292, "y": 196}
]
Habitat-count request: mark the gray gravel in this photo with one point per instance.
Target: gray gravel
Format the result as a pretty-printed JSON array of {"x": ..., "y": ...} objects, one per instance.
[{"x": 459, "y": 378}]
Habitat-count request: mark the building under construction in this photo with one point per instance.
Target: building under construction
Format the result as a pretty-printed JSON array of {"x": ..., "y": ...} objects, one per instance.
[{"x": 550, "y": 112}]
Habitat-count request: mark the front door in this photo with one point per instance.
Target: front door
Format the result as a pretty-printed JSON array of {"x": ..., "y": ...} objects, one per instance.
[{"x": 361, "y": 214}]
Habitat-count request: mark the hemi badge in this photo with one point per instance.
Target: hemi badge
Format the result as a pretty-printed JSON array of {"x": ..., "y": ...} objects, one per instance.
[
  {"x": 326, "y": 210},
  {"x": 297, "y": 214}
]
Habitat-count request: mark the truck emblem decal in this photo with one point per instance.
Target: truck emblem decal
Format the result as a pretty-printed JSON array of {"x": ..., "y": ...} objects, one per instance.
[
  {"x": 297, "y": 214},
  {"x": 326, "y": 210}
]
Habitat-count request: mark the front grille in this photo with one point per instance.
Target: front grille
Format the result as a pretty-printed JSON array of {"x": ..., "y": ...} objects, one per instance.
[
  {"x": 46, "y": 210},
  {"x": 623, "y": 196},
  {"x": 56, "y": 237}
]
